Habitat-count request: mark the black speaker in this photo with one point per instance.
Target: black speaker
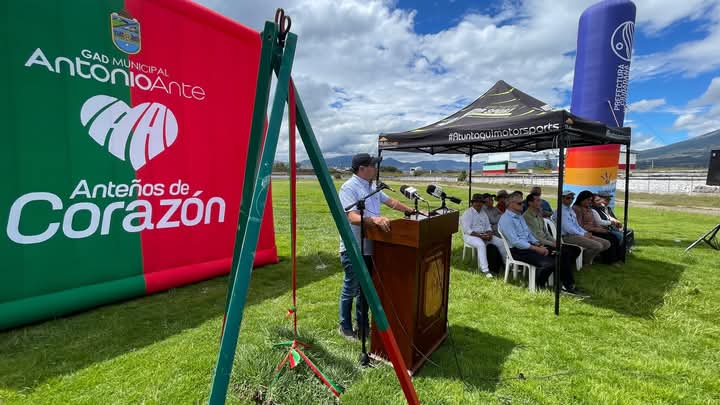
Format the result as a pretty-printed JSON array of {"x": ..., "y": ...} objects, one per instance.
[{"x": 713, "y": 178}]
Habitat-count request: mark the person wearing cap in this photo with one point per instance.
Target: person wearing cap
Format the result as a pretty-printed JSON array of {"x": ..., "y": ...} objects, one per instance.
[
  {"x": 585, "y": 218},
  {"x": 364, "y": 169},
  {"x": 492, "y": 212},
  {"x": 606, "y": 196},
  {"x": 601, "y": 204},
  {"x": 524, "y": 246},
  {"x": 603, "y": 219},
  {"x": 478, "y": 233},
  {"x": 573, "y": 233},
  {"x": 500, "y": 198}
]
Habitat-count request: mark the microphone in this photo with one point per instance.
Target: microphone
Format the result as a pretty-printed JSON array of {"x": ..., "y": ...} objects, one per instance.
[
  {"x": 436, "y": 191},
  {"x": 411, "y": 193},
  {"x": 383, "y": 186}
]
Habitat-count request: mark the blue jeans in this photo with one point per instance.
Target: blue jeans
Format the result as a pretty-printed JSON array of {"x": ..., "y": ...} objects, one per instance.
[
  {"x": 351, "y": 291},
  {"x": 618, "y": 235}
]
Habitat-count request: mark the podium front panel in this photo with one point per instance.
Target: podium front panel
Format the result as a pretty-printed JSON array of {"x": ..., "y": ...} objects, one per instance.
[
  {"x": 433, "y": 300},
  {"x": 395, "y": 279},
  {"x": 411, "y": 276}
]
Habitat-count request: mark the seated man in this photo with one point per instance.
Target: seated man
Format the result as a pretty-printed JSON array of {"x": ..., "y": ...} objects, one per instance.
[
  {"x": 478, "y": 233},
  {"x": 535, "y": 222},
  {"x": 572, "y": 232},
  {"x": 523, "y": 245},
  {"x": 492, "y": 212},
  {"x": 544, "y": 205},
  {"x": 500, "y": 198},
  {"x": 586, "y": 220},
  {"x": 606, "y": 216}
]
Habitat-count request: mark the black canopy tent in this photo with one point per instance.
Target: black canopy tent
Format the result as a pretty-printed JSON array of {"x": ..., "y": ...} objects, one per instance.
[{"x": 505, "y": 119}]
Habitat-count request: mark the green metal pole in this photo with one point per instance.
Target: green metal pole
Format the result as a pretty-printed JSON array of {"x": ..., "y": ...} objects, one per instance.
[
  {"x": 248, "y": 244},
  {"x": 257, "y": 129}
]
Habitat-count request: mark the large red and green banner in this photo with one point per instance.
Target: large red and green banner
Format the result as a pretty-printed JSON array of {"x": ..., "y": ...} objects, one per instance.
[{"x": 124, "y": 140}]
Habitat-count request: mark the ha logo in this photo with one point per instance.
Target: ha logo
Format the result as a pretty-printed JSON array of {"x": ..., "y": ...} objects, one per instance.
[{"x": 137, "y": 134}]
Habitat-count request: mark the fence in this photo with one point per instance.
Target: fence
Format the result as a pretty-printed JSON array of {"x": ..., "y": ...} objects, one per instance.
[{"x": 655, "y": 182}]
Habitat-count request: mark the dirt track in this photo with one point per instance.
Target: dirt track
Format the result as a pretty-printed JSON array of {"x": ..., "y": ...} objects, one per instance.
[{"x": 647, "y": 204}]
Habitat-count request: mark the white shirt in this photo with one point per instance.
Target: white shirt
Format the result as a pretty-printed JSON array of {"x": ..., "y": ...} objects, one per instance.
[
  {"x": 352, "y": 190},
  {"x": 599, "y": 221},
  {"x": 473, "y": 221}
]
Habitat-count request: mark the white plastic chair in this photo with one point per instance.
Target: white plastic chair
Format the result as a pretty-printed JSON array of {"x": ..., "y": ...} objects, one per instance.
[
  {"x": 517, "y": 265},
  {"x": 473, "y": 252},
  {"x": 553, "y": 232}
]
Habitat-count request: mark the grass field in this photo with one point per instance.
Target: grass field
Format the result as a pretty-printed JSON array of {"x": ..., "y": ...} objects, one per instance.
[{"x": 649, "y": 334}]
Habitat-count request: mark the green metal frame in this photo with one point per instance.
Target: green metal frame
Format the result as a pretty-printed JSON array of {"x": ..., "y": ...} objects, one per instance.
[
  {"x": 255, "y": 189},
  {"x": 262, "y": 95}
]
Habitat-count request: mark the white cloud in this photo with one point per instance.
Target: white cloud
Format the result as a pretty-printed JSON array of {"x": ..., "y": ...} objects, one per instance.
[
  {"x": 641, "y": 141},
  {"x": 688, "y": 58},
  {"x": 656, "y": 15},
  {"x": 362, "y": 69},
  {"x": 711, "y": 95},
  {"x": 365, "y": 57},
  {"x": 703, "y": 113},
  {"x": 646, "y": 105}
]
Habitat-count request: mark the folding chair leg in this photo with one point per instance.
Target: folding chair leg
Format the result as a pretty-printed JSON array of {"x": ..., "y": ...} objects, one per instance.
[{"x": 531, "y": 280}]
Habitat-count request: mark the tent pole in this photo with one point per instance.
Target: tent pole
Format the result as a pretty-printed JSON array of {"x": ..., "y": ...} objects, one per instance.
[
  {"x": 627, "y": 200},
  {"x": 377, "y": 176},
  {"x": 470, "y": 177},
  {"x": 558, "y": 231}
]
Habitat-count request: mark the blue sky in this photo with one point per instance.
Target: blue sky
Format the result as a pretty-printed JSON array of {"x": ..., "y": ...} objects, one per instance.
[{"x": 370, "y": 66}]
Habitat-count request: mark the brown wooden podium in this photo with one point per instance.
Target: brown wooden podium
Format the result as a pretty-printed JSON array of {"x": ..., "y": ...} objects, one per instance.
[{"x": 411, "y": 276}]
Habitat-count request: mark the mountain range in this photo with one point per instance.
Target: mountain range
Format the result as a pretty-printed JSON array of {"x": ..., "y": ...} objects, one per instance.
[{"x": 690, "y": 153}]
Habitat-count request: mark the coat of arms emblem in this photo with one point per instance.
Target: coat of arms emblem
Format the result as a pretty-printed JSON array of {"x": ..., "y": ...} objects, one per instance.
[{"x": 125, "y": 33}]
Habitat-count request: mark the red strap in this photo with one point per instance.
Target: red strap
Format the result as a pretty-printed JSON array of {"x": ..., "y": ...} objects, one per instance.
[
  {"x": 295, "y": 354},
  {"x": 293, "y": 199}
]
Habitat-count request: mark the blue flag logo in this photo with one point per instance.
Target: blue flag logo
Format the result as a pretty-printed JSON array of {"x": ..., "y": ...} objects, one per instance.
[{"x": 622, "y": 40}]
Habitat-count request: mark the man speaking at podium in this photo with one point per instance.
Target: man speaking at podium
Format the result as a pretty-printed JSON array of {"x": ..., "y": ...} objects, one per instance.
[{"x": 358, "y": 186}]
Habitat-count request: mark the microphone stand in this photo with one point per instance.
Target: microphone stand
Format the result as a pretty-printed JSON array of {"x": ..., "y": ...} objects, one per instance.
[
  {"x": 360, "y": 205},
  {"x": 443, "y": 206},
  {"x": 415, "y": 211},
  {"x": 442, "y": 209}
]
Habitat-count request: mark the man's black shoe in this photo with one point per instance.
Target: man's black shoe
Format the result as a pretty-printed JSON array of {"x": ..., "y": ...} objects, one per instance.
[
  {"x": 574, "y": 292},
  {"x": 348, "y": 334}
]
